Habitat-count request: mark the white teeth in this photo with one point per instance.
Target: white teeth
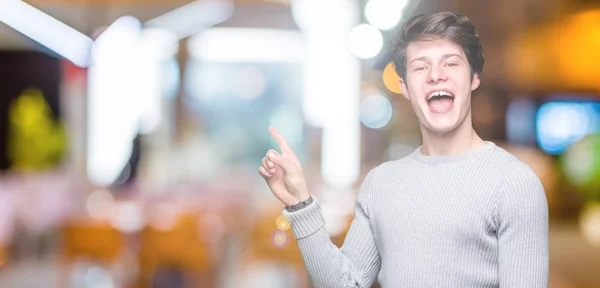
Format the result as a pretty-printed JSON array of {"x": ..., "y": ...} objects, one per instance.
[{"x": 439, "y": 93}]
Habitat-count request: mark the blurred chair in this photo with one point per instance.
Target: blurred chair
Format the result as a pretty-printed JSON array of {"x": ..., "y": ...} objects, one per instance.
[
  {"x": 177, "y": 248},
  {"x": 267, "y": 243},
  {"x": 269, "y": 246},
  {"x": 96, "y": 242}
]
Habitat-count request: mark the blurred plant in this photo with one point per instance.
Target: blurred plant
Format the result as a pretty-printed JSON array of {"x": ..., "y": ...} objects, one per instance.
[
  {"x": 35, "y": 141},
  {"x": 581, "y": 166}
]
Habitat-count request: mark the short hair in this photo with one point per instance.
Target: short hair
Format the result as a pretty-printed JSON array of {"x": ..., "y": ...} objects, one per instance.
[{"x": 449, "y": 25}]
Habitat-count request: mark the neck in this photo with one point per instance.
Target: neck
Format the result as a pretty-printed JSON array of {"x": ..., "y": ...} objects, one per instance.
[{"x": 460, "y": 140}]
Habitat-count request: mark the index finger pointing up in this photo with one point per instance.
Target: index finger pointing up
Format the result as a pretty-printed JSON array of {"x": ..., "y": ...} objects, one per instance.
[{"x": 283, "y": 145}]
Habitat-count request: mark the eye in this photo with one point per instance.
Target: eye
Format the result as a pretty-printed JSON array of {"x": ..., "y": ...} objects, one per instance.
[
  {"x": 421, "y": 68},
  {"x": 451, "y": 64}
]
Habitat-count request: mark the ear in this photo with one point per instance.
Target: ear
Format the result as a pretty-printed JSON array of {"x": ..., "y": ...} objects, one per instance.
[
  {"x": 475, "y": 82},
  {"x": 404, "y": 89}
]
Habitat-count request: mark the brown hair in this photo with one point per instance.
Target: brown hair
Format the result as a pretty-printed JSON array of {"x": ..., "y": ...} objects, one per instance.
[{"x": 450, "y": 25}]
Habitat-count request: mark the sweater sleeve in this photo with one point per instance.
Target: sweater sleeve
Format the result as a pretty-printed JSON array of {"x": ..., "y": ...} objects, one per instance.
[
  {"x": 522, "y": 217},
  {"x": 356, "y": 264}
]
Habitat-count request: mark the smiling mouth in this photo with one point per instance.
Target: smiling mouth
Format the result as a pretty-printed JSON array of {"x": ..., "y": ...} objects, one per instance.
[{"x": 440, "y": 101}]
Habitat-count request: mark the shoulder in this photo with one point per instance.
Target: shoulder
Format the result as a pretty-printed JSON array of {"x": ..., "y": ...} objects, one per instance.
[
  {"x": 519, "y": 187},
  {"x": 515, "y": 173},
  {"x": 510, "y": 169}
]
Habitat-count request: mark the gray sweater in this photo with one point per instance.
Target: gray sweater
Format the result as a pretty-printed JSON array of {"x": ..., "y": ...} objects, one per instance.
[{"x": 477, "y": 219}]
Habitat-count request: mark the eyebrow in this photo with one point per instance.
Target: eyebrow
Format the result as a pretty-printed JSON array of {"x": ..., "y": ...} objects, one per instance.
[{"x": 445, "y": 56}]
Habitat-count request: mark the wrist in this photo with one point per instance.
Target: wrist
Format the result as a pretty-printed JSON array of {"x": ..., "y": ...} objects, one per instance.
[{"x": 303, "y": 198}]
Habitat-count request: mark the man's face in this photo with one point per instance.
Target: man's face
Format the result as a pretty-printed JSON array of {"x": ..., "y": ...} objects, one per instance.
[{"x": 438, "y": 84}]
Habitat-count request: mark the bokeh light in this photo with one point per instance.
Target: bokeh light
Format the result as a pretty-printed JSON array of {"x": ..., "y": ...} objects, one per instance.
[
  {"x": 375, "y": 111},
  {"x": 577, "y": 50},
  {"x": 100, "y": 204},
  {"x": 282, "y": 223},
  {"x": 559, "y": 124},
  {"x": 391, "y": 80},
  {"x": 127, "y": 217},
  {"x": 365, "y": 41},
  {"x": 98, "y": 277},
  {"x": 113, "y": 100},
  {"x": 589, "y": 223},
  {"x": 384, "y": 14},
  {"x": 280, "y": 239},
  {"x": 581, "y": 165}
]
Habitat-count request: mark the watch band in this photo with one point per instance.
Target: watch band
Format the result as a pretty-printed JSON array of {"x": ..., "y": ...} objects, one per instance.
[{"x": 300, "y": 205}]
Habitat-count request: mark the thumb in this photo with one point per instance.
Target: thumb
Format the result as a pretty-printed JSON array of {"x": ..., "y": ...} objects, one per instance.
[{"x": 282, "y": 162}]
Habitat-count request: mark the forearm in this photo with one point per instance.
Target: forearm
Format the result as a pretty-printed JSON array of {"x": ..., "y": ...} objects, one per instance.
[{"x": 354, "y": 265}]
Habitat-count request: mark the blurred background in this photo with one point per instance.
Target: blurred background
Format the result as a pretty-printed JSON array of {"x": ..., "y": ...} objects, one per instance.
[{"x": 131, "y": 131}]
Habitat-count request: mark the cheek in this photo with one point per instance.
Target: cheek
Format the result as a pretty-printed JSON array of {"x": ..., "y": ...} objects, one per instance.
[
  {"x": 415, "y": 87},
  {"x": 462, "y": 85},
  {"x": 465, "y": 82}
]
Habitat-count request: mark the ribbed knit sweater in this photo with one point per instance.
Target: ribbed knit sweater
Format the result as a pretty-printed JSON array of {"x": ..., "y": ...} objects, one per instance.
[{"x": 476, "y": 219}]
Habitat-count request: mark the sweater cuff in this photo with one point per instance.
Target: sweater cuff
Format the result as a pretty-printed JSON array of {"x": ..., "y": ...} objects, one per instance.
[
  {"x": 307, "y": 220},
  {"x": 300, "y": 205}
]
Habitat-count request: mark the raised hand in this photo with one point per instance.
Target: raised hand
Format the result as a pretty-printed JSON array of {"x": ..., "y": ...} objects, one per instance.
[{"x": 283, "y": 172}]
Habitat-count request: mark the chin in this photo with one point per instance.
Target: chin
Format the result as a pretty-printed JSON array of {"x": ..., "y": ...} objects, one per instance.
[
  {"x": 441, "y": 125},
  {"x": 441, "y": 128}
]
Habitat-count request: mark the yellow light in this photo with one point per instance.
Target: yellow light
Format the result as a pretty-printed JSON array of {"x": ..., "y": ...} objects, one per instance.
[
  {"x": 569, "y": 63},
  {"x": 589, "y": 223},
  {"x": 282, "y": 223},
  {"x": 578, "y": 56},
  {"x": 391, "y": 80},
  {"x": 280, "y": 239}
]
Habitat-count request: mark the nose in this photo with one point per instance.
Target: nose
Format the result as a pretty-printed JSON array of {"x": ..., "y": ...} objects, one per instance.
[{"x": 436, "y": 74}]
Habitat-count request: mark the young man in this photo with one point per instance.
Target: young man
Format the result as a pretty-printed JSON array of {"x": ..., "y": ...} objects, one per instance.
[{"x": 457, "y": 212}]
